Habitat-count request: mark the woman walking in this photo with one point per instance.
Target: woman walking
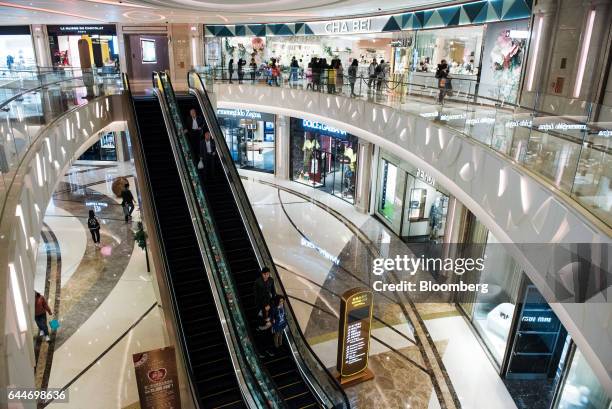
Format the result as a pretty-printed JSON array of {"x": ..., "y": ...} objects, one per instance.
[{"x": 352, "y": 74}]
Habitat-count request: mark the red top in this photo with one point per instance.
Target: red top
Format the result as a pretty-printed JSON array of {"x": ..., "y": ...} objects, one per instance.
[{"x": 41, "y": 306}]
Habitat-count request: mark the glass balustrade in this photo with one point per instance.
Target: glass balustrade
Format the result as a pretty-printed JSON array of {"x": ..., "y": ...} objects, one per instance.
[
  {"x": 565, "y": 142},
  {"x": 25, "y": 113}
]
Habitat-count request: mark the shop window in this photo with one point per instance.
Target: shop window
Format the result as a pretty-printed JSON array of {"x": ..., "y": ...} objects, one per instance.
[
  {"x": 581, "y": 388},
  {"x": 149, "y": 55}
]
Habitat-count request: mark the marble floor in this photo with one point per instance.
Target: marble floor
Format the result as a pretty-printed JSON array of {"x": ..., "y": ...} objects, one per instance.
[
  {"x": 422, "y": 355},
  {"x": 104, "y": 298}
]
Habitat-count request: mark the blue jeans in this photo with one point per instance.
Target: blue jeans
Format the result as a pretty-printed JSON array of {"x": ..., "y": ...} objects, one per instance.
[
  {"x": 41, "y": 322},
  {"x": 294, "y": 72}
]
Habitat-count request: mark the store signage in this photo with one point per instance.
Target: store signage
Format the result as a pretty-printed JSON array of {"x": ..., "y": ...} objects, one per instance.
[
  {"x": 605, "y": 132},
  {"x": 157, "y": 379},
  {"x": 426, "y": 177},
  {"x": 561, "y": 126},
  {"x": 307, "y": 123},
  {"x": 349, "y": 26},
  {"x": 239, "y": 113},
  {"x": 109, "y": 29},
  {"x": 354, "y": 332}
]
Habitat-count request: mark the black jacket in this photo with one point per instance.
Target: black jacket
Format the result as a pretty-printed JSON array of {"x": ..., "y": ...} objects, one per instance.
[
  {"x": 189, "y": 122},
  {"x": 203, "y": 152},
  {"x": 127, "y": 197},
  {"x": 264, "y": 291}
]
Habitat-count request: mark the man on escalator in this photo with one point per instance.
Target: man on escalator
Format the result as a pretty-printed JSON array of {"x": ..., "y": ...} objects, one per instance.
[
  {"x": 208, "y": 153},
  {"x": 193, "y": 129},
  {"x": 264, "y": 289}
]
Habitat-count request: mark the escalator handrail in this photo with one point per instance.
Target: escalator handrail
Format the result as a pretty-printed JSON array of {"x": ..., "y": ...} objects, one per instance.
[
  {"x": 259, "y": 244},
  {"x": 182, "y": 338},
  {"x": 222, "y": 281}
]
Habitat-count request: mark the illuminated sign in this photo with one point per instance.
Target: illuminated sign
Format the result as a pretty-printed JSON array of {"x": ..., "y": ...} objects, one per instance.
[
  {"x": 426, "y": 177},
  {"x": 349, "y": 26},
  {"x": 307, "y": 123},
  {"x": 354, "y": 334},
  {"x": 108, "y": 29},
  {"x": 239, "y": 113}
]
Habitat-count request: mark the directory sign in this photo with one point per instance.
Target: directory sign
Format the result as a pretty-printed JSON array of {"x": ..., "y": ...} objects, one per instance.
[
  {"x": 354, "y": 332},
  {"x": 157, "y": 379}
]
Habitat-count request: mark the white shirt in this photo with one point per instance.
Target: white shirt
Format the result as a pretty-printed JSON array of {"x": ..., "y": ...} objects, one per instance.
[
  {"x": 208, "y": 147},
  {"x": 194, "y": 124}
]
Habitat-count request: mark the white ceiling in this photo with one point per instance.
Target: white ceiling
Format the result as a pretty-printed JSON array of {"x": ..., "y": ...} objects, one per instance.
[{"x": 193, "y": 11}]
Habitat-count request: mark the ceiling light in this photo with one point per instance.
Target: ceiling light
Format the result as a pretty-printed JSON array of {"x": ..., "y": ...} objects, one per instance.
[{"x": 63, "y": 13}]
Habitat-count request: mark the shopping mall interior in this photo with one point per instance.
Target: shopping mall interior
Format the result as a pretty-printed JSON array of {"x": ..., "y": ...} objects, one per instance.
[{"x": 306, "y": 204}]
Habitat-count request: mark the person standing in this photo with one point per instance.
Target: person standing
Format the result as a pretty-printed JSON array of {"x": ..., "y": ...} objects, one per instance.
[
  {"x": 253, "y": 69},
  {"x": 241, "y": 64},
  {"x": 263, "y": 288},
  {"x": 230, "y": 69},
  {"x": 372, "y": 72},
  {"x": 308, "y": 75},
  {"x": 442, "y": 76},
  {"x": 339, "y": 76},
  {"x": 279, "y": 320},
  {"x": 263, "y": 330},
  {"x": 127, "y": 202},
  {"x": 380, "y": 75},
  {"x": 294, "y": 69},
  {"x": 208, "y": 151},
  {"x": 193, "y": 129},
  {"x": 275, "y": 71},
  {"x": 316, "y": 74},
  {"x": 41, "y": 309},
  {"x": 94, "y": 228},
  {"x": 352, "y": 74}
]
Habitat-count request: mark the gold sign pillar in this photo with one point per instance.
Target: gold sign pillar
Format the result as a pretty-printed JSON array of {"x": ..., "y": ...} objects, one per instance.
[{"x": 354, "y": 337}]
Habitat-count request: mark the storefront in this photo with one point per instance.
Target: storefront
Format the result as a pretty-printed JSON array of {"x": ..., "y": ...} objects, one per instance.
[
  {"x": 103, "y": 150},
  {"x": 101, "y": 39},
  {"x": 250, "y": 137},
  {"x": 540, "y": 364},
  {"x": 324, "y": 157},
  {"x": 482, "y": 41},
  {"x": 409, "y": 201},
  {"x": 16, "y": 48}
]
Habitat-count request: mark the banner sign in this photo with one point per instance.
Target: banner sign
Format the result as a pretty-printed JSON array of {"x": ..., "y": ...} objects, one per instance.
[
  {"x": 157, "y": 379},
  {"x": 354, "y": 332},
  {"x": 74, "y": 29}
]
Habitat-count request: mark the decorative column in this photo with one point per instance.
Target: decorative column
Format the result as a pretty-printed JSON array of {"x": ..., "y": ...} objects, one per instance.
[
  {"x": 40, "y": 41},
  {"x": 364, "y": 176},
  {"x": 282, "y": 147}
]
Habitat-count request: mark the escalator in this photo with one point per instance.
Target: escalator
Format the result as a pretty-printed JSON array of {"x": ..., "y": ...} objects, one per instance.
[
  {"x": 213, "y": 375},
  {"x": 244, "y": 266}
]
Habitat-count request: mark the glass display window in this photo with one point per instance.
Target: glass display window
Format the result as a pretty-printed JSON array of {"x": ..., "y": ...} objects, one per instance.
[
  {"x": 250, "y": 137},
  {"x": 581, "y": 389},
  {"x": 324, "y": 157},
  {"x": 16, "y": 51},
  {"x": 459, "y": 46}
]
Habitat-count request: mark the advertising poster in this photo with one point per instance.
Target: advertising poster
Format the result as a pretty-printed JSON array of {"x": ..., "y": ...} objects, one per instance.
[{"x": 157, "y": 379}]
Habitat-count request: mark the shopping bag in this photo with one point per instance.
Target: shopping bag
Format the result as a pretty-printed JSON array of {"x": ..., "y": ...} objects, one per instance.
[
  {"x": 54, "y": 324},
  {"x": 200, "y": 164}
]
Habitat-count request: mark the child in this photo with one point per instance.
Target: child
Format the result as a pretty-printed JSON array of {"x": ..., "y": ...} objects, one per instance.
[
  {"x": 279, "y": 320},
  {"x": 94, "y": 228}
]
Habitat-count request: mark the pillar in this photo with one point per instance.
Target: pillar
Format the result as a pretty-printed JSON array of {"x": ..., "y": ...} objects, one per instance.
[
  {"x": 282, "y": 147},
  {"x": 364, "y": 176},
  {"x": 40, "y": 41}
]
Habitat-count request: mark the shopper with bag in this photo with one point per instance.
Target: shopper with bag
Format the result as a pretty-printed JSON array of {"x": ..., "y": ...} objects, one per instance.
[
  {"x": 208, "y": 151},
  {"x": 41, "y": 309}
]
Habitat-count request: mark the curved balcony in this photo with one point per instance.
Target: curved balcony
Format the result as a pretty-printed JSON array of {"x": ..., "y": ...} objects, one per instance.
[{"x": 517, "y": 170}]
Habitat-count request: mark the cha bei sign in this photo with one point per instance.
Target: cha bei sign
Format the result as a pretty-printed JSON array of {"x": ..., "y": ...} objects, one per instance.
[
  {"x": 307, "y": 123},
  {"x": 354, "y": 336},
  {"x": 349, "y": 26}
]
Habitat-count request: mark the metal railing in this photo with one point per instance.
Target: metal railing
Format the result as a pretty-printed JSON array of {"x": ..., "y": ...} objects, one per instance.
[
  {"x": 315, "y": 373},
  {"x": 566, "y": 143}
]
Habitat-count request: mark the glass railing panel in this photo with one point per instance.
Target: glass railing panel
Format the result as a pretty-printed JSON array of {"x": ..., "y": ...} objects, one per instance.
[
  {"x": 258, "y": 381},
  {"x": 592, "y": 181},
  {"x": 22, "y": 118},
  {"x": 322, "y": 382},
  {"x": 546, "y": 137}
]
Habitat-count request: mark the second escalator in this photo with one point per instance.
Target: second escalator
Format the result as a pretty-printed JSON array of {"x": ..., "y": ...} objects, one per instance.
[{"x": 240, "y": 255}]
